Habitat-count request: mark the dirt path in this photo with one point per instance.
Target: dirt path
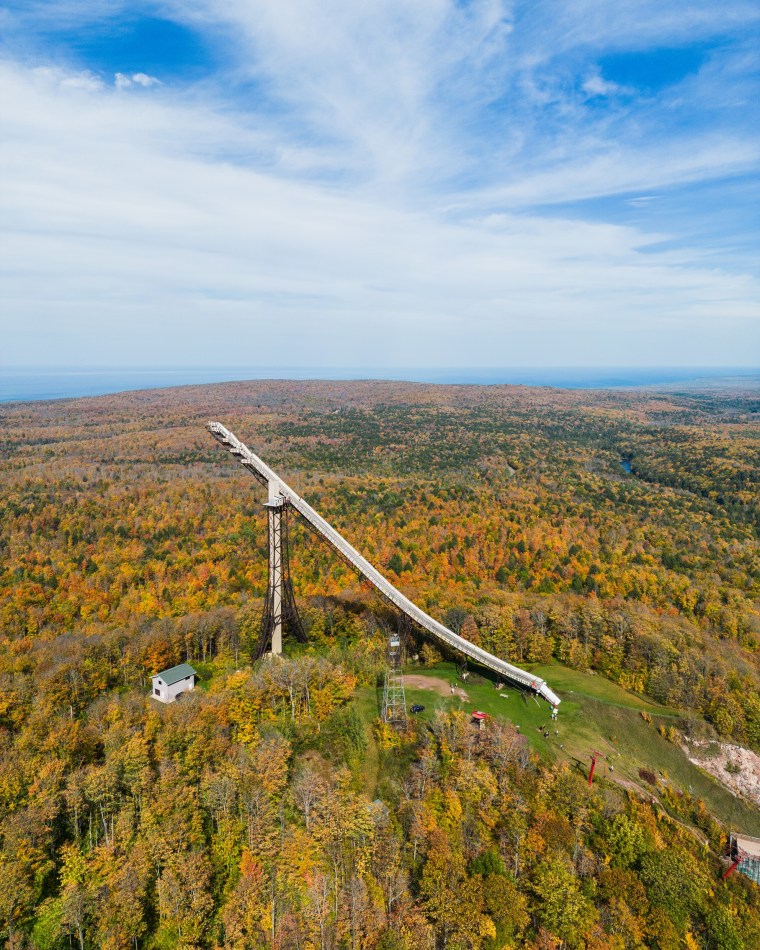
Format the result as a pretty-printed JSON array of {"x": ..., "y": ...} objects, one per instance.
[
  {"x": 437, "y": 685},
  {"x": 648, "y": 796}
]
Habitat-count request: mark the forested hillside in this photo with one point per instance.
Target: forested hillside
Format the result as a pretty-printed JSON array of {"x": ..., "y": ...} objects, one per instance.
[{"x": 263, "y": 809}]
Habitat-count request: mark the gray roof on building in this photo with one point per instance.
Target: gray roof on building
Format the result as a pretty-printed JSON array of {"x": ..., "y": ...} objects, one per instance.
[{"x": 177, "y": 673}]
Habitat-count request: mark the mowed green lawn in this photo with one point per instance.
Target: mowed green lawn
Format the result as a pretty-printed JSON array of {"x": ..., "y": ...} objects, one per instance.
[{"x": 595, "y": 714}]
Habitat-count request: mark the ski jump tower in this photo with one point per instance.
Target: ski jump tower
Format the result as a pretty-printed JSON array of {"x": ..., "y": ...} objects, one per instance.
[{"x": 281, "y": 610}]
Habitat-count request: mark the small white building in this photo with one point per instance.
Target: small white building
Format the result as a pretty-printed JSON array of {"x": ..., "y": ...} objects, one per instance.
[{"x": 168, "y": 685}]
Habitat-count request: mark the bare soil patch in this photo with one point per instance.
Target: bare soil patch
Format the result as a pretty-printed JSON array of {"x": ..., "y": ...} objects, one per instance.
[
  {"x": 436, "y": 684},
  {"x": 743, "y": 773}
]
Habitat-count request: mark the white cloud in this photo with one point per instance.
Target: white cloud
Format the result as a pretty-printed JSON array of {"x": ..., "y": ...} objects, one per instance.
[
  {"x": 370, "y": 195},
  {"x": 126, "y": 240},
  {"x": 142, "y": 79},
  {"x": 617, "y": 169},
  {"x": 413, "y": 97},
  {"x": 597, "y": 85},
  {"x": 65, "y": 79},
  {"x": 122, "y": 81}
]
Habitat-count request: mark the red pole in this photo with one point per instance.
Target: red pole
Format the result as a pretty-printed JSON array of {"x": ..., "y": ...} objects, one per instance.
[
  {"x": 594, "y": 756},
  {"x": 731, "y": 870}
]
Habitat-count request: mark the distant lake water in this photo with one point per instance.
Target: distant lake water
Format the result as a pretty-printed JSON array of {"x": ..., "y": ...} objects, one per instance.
[{"x": 29, "y": 383}]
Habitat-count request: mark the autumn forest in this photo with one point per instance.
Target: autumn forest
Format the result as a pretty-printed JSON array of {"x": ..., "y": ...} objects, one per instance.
[{"x": 607, "y": 533}]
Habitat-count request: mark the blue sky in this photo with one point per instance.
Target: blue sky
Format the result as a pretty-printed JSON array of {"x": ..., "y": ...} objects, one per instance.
[{"x": 380, "y": 183}]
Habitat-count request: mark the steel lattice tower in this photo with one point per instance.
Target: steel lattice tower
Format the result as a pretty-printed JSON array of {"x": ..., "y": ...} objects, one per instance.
[
  {"x": 394, "y": 696},
  {"x": 280, "y": 609}
]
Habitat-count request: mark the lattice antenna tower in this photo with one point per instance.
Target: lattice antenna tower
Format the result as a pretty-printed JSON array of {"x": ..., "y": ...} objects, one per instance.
[{"x": 394, "y": 696}]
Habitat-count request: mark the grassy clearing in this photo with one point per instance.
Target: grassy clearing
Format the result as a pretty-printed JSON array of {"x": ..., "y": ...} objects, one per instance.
[
  {"x": 594, "y": 686},
  {"x": 367, "y": 702},
  {"x": 595, "y": 714}
]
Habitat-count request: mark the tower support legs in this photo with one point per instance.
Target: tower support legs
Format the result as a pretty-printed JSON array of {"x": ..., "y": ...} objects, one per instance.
[{"x": 280, "y": 611}]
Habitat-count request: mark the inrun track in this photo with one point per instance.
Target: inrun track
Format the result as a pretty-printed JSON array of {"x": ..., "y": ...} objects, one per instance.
[{"x": 282, "y": 494}]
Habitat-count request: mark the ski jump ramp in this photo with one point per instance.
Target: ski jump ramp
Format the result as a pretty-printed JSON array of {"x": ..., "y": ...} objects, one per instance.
[{"x": 280, "y": 493}]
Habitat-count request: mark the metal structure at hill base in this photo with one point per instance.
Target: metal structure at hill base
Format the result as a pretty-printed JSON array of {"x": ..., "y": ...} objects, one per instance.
[
  {"x": 744, "y": 854},
  {"x": 280, "y": 498},
  {"x": 394, "y": 694}
]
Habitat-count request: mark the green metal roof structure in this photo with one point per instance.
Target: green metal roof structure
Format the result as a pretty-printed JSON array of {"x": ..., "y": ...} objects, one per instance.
[
  {"x": 177, "y": 673},
  {"x": 746, "y": 850}
]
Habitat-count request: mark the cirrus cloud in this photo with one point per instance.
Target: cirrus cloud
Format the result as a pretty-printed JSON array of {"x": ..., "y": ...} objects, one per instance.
[{"x": 382, "y": 184}]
